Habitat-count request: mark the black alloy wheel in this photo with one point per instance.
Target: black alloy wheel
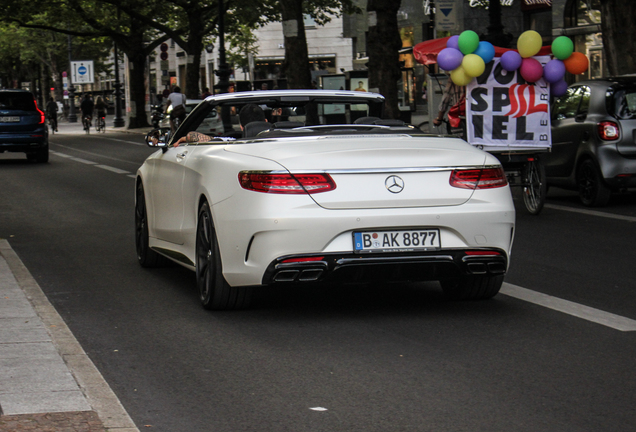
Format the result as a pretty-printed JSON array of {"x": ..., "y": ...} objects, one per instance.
[
  {"x": 592, "y": 189},
  {"x": 535, "y": 186},
  {"x": 214, "y": 292},
  {"x": 146, "y": 256},
  {"x": 472, "y": 287}
]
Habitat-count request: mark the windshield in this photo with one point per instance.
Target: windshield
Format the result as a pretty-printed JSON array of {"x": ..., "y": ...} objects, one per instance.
[{"x": 17, "y": 101}]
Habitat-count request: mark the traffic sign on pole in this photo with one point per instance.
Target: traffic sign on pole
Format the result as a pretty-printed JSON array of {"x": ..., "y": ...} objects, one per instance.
[{"x": 82, "y": 72}]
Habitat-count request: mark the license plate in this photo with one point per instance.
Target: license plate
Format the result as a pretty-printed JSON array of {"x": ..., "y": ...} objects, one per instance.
[
  {"x": 9, "y": 119},
  {"x": 396, "y": 241}
]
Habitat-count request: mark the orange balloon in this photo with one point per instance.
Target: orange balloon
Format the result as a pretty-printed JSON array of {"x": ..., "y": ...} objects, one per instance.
[{"x": 577, "y": 63}]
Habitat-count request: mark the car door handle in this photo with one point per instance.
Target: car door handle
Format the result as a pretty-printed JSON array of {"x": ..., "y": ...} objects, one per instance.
[{"x": 181, "y": 156}]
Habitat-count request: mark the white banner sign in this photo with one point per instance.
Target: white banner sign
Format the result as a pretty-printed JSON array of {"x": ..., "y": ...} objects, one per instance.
[{"x": 503, "y": 110}]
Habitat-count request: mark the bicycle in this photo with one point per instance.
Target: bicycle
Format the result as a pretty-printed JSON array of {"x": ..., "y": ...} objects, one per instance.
[
  {"x": 100, "y": 125},
  {"x": 53, "y": 125},
  {"x": 87, "y": 120}
]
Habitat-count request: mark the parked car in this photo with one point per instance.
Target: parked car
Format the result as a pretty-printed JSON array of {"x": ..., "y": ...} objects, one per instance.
[
  {"x": 212, "y": 124},
  {"x": 308, "y": 199},
  {"x": 23, "y": 125},
  {"x": 593, "y": 139}
]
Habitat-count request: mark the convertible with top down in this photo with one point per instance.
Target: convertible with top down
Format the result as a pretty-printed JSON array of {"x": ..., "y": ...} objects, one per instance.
[{"x": 324, "y": 191}]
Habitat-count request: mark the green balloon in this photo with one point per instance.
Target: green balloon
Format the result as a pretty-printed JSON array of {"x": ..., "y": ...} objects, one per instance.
[
  {"x": 562, "y": 47},
  {"x": 468, "y": 41}
]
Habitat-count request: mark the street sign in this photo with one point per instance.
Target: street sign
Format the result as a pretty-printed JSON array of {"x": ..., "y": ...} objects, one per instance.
[
  {"x": 446, "y": 15},
  {"x": 82, "y": 72}
]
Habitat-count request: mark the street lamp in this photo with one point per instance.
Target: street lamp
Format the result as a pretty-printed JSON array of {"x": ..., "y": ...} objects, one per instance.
[
  {"x": 224, "y": 69},
  {"x": 72, "y": 117}
]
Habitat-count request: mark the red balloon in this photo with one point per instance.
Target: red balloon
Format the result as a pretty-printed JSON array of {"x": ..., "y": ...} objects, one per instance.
[
  {"x": 577, "y": 63},
  {"x": 531, "y": 70}
]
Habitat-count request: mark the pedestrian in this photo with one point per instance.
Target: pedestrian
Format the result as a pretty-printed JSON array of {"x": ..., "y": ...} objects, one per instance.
[
  {"x": 454, "y": 95},
  {"x": 51, "y": 113},
  {"x": 177, "y": 100},
  {"x": 206, "y": 93}
]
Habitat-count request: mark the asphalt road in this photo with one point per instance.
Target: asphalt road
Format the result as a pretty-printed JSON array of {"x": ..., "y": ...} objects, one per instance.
[{"x": 394, "y": 358}]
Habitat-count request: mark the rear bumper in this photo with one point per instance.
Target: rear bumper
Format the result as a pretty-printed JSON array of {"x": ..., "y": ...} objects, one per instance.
[
  {"x": 400, "y": 267},
  {"x": 24, "y": 142}
]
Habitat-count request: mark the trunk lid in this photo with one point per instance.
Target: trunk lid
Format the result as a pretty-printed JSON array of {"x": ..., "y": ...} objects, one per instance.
[{"x": 374, "y": 171}]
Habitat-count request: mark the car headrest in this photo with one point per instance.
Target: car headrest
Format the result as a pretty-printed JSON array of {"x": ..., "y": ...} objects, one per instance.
[
  {"x": 253, "y": 128},
  {"x": 288, "y": 124},
  {"x": 366, "y": 120}
]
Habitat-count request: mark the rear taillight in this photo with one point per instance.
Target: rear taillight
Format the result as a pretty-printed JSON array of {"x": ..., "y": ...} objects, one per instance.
[
  {"x": 486, "y": 178},
  {"x": 42, "y": 115},
  {"x": 609, "y": 131},
  {"x": 286, "y": 183}
]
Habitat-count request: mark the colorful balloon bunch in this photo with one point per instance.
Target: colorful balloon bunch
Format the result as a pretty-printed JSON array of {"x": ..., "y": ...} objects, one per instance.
[{"x": 466, "y": 57}]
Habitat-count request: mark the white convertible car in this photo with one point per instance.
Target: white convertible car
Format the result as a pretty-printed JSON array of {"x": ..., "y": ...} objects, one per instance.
[{"x": 326, "y": 192}]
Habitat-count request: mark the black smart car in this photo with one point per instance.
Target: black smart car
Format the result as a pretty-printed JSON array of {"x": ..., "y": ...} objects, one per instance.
[
  {"x": 22, "y": 125},
  {"x": 594, "y": 139}
]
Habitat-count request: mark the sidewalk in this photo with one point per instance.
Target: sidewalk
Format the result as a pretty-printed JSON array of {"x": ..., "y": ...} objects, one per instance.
[
  {"x": 66, "y": 128},
  {"x": 47, "y": 382}
]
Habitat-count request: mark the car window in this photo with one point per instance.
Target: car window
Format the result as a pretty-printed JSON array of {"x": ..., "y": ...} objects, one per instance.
[
  {"x": 625, "y": 104},
  {"x": 17, "y": 101},
  {"x": 585, "y": 93},
  {"x": 567, "y": 105}
]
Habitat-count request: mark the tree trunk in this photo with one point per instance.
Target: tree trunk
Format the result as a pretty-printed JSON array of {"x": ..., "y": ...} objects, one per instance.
[
  {"x": 617, "y": 17},
  {"x": 137, "y": 73},
  {"x": 296, "y": 66},
  {"x": 384, "y": 42}
]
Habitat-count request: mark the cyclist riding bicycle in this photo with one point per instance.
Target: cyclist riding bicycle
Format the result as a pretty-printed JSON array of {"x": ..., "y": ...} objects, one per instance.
[
  {"x": 51, "y": 113},
  {"x": 87, "y": 108},
  {"x": 100, "y": 107}
]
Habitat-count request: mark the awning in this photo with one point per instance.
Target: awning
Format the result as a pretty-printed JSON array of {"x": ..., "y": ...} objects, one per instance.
[{"x": 426, "y": 52}]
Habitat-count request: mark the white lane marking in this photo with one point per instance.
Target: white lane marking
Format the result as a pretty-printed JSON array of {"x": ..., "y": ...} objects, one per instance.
[
  {"x": 132, "y": 176},
  {"x": 113, "y": 169},
  {"x": 585, "y": 312},
  {"x": 591, "y": 212},
  {"x": 84, "y": 161},
  {"x": 127, "y": 142},
  {"x": 61, "y": 154}
]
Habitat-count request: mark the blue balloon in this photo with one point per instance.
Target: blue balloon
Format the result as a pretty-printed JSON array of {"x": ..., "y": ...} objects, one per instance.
[
  {"x": 511, "y": 61},
  {"x": 558, "y": 88},
  {"x": 453, "y": 42},
  {"x": 449, "y": 59},
  {"x": 486, "y": 51}
]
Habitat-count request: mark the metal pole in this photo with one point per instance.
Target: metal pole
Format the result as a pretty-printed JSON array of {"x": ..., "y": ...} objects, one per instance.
[
  {"x": 118, "y": 121},
  {"x": 72, "y": 117},
  {"x": 224, "y": 69}
]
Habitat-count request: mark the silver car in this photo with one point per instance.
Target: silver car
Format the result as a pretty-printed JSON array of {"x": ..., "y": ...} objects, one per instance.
[{"x": 594, "y": 139}]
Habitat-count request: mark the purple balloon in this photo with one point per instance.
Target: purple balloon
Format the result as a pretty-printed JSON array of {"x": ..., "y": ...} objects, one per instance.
[
  {"x": 558, "y": 88},
  {"x": 554, "y": 71},
  {"x": 511, "y": 61},
  {"x": 449, "y": 59},
  {"x": 453, "y": 42}
]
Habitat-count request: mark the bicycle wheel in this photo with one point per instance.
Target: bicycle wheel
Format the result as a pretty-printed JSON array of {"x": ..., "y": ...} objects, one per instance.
[{"x": 534, "y": 185}]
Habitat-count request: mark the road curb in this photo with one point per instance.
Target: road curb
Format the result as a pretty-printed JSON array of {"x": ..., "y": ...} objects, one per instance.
[{"x": 98, "y": 393}]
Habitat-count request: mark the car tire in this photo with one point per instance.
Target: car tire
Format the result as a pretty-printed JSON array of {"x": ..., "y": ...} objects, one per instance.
[
  {"x": 472, "y": 287},
  {"x": 41, "y": 156},
  {"x": 593, "y": 191},
  {"x": 214, "y": 291},
  {"x": 146, "y": 256}
]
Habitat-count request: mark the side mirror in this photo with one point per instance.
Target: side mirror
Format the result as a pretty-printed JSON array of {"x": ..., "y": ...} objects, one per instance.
[{"x": 158, "y": 137}]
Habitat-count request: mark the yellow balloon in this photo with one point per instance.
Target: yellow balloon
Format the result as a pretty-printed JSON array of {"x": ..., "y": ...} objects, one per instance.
[
  {"x": 459, "y": 77},
  {"x": 473, "y": 65},
  {"x": 529, "y": 43}
]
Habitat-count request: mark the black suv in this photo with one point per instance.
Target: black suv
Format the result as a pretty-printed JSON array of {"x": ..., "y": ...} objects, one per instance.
[
  {"x": 594, "y": 139},
  {"x": 23, "y": 125}
]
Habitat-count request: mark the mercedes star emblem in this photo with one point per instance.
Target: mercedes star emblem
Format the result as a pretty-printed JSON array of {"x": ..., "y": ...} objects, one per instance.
[{"x": 394, "y": 184}]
